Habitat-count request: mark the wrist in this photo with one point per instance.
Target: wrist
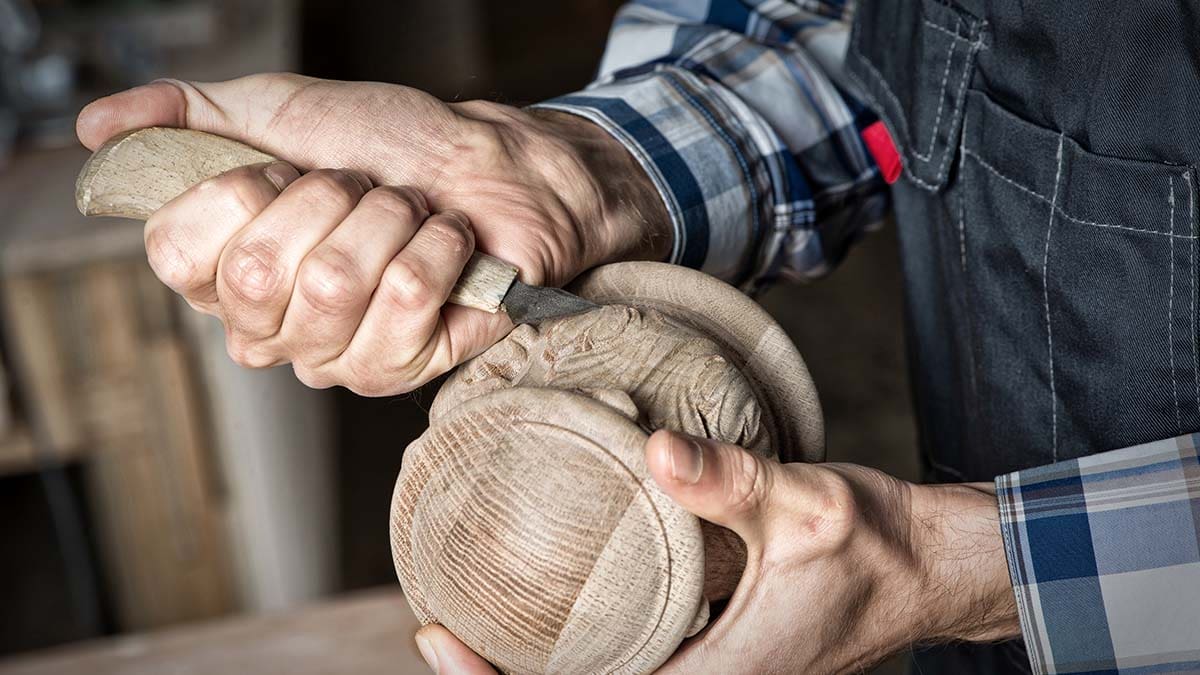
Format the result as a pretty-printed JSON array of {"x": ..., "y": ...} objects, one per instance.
[
  {"x": 615, "y": 202},
  {"x": 965, "y": 593}
]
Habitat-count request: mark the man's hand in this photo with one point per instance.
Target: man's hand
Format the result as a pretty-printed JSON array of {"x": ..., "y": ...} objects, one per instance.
[
  {"x": 846, "y": 565},
  {"x": 346, "y": 280}
]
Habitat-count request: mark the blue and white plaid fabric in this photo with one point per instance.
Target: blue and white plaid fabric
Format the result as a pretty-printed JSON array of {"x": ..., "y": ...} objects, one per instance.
[
  {"x": 739, "y": 113},
  {"x": 736, "y": 112},
  {"x": 1104, "y": 553}
]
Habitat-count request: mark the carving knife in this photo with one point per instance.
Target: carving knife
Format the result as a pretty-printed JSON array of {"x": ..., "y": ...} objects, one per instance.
[{"x": 135, "y": 173}]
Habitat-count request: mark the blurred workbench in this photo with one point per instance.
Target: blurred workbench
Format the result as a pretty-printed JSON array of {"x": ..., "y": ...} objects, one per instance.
[{"x": 363, "y": 633}]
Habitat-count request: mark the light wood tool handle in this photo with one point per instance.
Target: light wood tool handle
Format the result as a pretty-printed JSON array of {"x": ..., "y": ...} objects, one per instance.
[{"x": 135, "y": 173}]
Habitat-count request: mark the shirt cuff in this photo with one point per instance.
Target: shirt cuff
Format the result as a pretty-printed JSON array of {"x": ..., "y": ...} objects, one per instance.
[
  {"x": 1104, "y": 558},
  {"x": 698, "y": 147}
]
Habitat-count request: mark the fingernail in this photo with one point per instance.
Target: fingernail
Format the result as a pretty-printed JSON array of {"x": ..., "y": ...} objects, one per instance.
[
  {"x": 281, "y": 174},
  {"x": 687, "y": 460},
  {"x": 427, "y": 652}
]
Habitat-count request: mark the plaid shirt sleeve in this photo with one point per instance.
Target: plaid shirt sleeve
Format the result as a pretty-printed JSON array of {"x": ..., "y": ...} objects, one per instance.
[
  {"x": 1105, "y": 562},
  {"x": 738, "y": 112}
]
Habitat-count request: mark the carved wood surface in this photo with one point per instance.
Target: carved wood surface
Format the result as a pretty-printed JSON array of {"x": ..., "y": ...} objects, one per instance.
[{"x": 525, "y": 520}]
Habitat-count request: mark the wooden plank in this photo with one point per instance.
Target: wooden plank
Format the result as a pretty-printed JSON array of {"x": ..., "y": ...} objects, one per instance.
[
  {"x": 365, "y": 633},
  {"x": 153, "y": 503},
  {"x": 30, "y": 303}
]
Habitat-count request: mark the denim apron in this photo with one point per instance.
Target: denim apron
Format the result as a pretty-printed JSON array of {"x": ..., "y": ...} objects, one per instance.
[{"x": 1047, "y": 215}]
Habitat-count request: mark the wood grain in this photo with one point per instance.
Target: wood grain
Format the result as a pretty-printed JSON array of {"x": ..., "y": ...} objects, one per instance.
[
  {"x": 525, "y": 519},
  {"x": 134, "y": 174},
  {"x": 527, "y": 523}
]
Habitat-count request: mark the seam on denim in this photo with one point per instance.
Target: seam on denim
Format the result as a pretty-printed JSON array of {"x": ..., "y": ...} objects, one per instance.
[
  {"x": 1171, "y": 303},
  {"x": 962, "y": 259},
  {"x": 1192, "y": 229},
  {"x": 862, "y": 88},
  {"x": 976, "y": 45},
  {"x": 959, "y": 103},
  {"x": 982, "y": 162},
  {"x": 1046, "y": 302},
  {"x": 952, "y": 33},
  {"x": 941, "y": 99},
  {"x": 962, "y": 198}
]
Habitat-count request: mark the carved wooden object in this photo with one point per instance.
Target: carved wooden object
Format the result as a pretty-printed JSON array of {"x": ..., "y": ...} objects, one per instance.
[
  {"x": 525, "y": 520},
  {"x": 135, "y": 173}
]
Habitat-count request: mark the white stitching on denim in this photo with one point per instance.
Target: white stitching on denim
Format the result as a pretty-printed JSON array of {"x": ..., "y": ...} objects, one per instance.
[
  {"x": 960, "y": 102},
  {"x": 941, "y": 99},
  {"x": 1046, "y": 301},
  {"x": 952, "y": 33},
  {"x": 962, "y": 198},
  {"x": 962, "y": 259},
  {"x": 976, "y": 45},
  {"x": 1171, "y": 304},
  {"x": 1192, "y": 229},
  {"x": 862, "y": 88},
  {"x": 982, "y": 162}
]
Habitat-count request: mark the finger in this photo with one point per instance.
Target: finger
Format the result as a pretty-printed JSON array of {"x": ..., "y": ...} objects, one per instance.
[
  {"x": 404, "y": 340},
  {"x": 718, "y": 482},
  {"x": 336, "y": 280},
  {"x": 238, "y": 109},
  {"x": 257, "y": 269},
  {"x": 184, "y": 238},
  {"x": 446, "y": 655}
]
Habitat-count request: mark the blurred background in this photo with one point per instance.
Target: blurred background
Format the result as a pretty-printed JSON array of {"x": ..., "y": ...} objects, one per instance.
[{"x": 148, "y": 483}]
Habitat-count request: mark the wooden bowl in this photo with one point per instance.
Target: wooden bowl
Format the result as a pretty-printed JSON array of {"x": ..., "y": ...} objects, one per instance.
[{"x": 525, "y": 520}]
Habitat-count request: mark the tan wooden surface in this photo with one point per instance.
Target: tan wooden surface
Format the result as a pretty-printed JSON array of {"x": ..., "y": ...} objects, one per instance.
[
  {"x": 525, "y": 519},
  {"x": 364, "y": 633}
]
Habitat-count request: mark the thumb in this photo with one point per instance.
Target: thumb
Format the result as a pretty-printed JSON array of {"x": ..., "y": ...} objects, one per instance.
[
  {"x": 446, "y": 655},
  {"x": 239, "y": 109},
  {"x": 718, "y": 482}
]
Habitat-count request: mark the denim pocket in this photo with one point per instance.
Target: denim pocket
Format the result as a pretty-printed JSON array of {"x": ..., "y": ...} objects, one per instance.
[
  {"x": 1079, "y": 272},
  {"x": 921, "y": 106}
]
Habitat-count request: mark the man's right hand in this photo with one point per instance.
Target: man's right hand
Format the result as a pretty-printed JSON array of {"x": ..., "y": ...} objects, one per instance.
[{"x": 345, "y": 280}]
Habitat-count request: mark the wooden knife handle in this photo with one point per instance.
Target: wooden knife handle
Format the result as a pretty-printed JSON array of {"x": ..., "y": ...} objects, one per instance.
[{"x": 135, "y": 173}]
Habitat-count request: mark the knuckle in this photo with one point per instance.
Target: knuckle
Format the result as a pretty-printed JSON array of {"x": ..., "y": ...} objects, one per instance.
[
  {"x": 235, "y": 195},
  {"x": 834, "y": 512},
  {"x": 364, "y": 379},
  {"x": 330, "y": 186},
  {"x": 312, "y": 378},
  {"x": 251, "y": 270},
  {"x": 246, "y": 354},
  {"x": 482, "y": 138},
  {"x": 405, "y": 287},
  {"x": 402, "y": 203},
  {"x": 330, "y": 281},
  {"x": 745, "y": 483},
  {"x": 171, "y": 261}
]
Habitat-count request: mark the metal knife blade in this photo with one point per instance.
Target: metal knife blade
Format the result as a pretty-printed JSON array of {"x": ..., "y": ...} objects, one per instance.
[{"x": 534, "y": 304}]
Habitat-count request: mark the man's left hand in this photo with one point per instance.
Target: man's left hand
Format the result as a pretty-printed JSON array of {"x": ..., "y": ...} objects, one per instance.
[{"x": 845, "y": 565}]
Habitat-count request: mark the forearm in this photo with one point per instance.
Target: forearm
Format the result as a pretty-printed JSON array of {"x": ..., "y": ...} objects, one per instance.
[{"x": 966, "y": 590}]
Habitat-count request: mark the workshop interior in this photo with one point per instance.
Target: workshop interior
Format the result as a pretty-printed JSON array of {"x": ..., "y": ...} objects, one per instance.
[{"x": 155, "y": 496}]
